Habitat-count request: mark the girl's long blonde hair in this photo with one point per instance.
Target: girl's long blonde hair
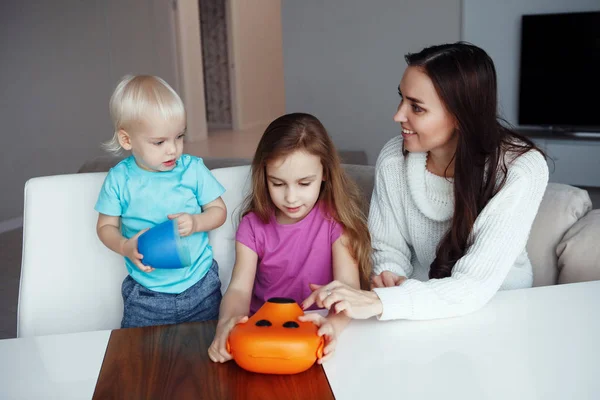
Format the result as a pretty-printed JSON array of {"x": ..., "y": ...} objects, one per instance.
[{"x": 339, "y": 194}]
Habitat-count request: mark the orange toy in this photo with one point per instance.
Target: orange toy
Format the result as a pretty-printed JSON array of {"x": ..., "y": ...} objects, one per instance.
[{"x": 273, "y": 341}]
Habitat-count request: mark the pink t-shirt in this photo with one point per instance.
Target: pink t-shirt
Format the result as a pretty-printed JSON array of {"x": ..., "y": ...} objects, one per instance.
[{"x": 289, "y": 256}]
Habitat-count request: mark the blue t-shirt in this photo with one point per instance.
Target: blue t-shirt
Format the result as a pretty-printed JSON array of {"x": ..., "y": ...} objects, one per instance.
[{"x": 143, "y": 199}]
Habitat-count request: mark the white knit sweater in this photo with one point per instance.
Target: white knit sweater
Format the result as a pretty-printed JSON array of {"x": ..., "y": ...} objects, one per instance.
[{"x": 411, "y": 210}]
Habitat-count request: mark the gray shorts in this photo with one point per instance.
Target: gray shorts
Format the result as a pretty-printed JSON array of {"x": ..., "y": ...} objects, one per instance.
[{"x": 144, "y": 307}]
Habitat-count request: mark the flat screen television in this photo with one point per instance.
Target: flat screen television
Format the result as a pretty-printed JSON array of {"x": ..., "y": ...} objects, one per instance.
[{"x": 559, "y": 80}]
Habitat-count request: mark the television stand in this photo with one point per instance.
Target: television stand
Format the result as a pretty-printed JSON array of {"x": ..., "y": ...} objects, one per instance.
[
  {"x": 574, "y": 157},
  {"x": 588, "y": 135}
]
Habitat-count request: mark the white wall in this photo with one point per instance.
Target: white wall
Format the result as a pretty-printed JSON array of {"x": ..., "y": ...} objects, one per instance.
[
  {"x": 496, "y": 27},
  {"x": 59, "y": 63},
  {"x": 343, "y": 61}
]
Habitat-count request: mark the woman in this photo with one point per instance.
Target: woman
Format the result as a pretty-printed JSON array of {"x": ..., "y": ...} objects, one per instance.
[{"x": 454, "y": 199}]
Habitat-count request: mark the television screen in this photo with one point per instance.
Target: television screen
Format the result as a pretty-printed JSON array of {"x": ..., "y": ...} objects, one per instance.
[{"x": 560, "y": 70}]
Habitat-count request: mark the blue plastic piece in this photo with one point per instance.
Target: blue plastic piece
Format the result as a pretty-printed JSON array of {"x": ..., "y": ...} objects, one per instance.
[{"x": 162, "y": 247}]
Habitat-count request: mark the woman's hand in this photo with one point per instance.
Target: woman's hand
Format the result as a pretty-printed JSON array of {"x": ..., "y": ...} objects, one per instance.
[
  {"x": 218, "y": 348},
  {"x": 326, "y": 330},
  {"x": 386, "y": 279},
  {"x": 341, "y": 298},
  {"x": 186, "y": 224},
  {"x": 129, "y": 249}
]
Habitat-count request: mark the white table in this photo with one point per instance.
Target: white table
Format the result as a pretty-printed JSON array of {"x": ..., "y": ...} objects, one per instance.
[
  {"x": 58, "y": 367},
  {"x": 540, "y": 343}
]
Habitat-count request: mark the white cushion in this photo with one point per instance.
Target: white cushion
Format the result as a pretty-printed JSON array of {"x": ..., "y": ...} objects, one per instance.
[
  {"x": 561, "y": 207},
  {"x": 236, "y": 181},
  {"x": 578, "y": 251},
  {"x": 70, "y": 282}
]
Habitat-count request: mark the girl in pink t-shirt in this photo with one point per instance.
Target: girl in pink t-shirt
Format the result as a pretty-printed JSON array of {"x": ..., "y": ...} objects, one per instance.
[{"x": 301, "y": 227}]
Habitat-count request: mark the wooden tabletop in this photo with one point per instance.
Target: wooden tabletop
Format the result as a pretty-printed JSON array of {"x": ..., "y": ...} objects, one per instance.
[{"x": 171, "y": 362}]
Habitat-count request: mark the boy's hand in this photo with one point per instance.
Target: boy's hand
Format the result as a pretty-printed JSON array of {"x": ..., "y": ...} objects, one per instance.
[
  {"x": 326, "y": 330},
  {"x": 130, "y": 250},
  {"x": 218, "y": 349},
  {"x": 185, "y": 223}
]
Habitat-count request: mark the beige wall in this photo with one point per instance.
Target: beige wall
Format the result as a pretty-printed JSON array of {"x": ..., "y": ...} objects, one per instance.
[
  {"x": 257, "y": 58},
  {"x": 59, "y": 63}
]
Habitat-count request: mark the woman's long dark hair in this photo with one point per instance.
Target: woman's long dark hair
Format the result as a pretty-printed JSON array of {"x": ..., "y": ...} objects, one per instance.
[{"x": 465, "y": 80}]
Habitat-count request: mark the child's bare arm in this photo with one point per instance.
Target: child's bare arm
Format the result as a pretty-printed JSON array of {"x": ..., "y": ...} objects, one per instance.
[
  {"x": 213, "y": 215},
  {"x": 108, "y": 229},
  {"x": 345, "y": 270},
  {"x": 236, "y": 300},
  {"x": 235, "y": 305},
  {"x": 109, "y": 232}
]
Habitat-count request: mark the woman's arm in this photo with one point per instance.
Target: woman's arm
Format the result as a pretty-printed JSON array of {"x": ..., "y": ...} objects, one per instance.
[{"x": 499, "y": 236}]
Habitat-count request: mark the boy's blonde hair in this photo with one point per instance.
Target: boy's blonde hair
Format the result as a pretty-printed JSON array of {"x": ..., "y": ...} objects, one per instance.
[{"x": 137, "y": 98}]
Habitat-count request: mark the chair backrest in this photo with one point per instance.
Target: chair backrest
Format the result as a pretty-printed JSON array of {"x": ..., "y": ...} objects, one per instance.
[
  {"x": 70, "y": 282},
  {"x": 236, "y": 181}
]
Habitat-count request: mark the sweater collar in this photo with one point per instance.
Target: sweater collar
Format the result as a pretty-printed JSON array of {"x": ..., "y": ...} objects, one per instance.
[{"x": 432, "y": 194}]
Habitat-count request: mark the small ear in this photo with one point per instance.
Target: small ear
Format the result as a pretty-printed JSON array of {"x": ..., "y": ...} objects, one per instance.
[
  {"x": 124, "y": 139},
  {"x": 455, "y": 125}
]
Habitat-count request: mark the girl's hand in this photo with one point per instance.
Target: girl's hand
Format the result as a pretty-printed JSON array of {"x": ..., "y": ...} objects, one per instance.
[
  {"x": 386, "y": 279},
  {"x": 130, "y": 250},
  {"x": 218, "y": 348},
  {"x": 341, "y": 298},
  {"x": 185, "y": 223},
  {"x": 326, "y": 330}
]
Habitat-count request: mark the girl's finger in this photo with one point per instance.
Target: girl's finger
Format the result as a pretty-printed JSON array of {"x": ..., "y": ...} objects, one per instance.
[
  {"x": 325, "y": 357},
  {"x": 330, "y": 347},
  {"x": 325, "y": 330},
  {"x": 315, "y": 318}
]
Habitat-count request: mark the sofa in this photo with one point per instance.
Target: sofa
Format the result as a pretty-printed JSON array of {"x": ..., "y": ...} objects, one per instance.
[
  {"x": 59, "y": 239},
  {"x": 104, "y": 163},
  {"x": 564, "y": 244}
]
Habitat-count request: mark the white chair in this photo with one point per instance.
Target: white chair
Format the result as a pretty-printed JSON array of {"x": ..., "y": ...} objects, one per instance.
[
  {"x": 236, "y": 181},
  {"x": 70, "y": 282}
]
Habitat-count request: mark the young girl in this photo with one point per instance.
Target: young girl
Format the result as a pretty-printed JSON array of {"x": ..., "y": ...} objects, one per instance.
[
  {"x": 301, "y": 225},
  {"x": 454, "y": 199},
  {"x": 157, "y": 182}
]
